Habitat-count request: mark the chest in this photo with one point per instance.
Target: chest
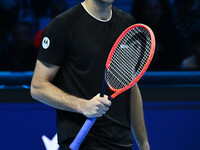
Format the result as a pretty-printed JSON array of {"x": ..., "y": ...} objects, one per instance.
[{"x": 91, "y": 44}]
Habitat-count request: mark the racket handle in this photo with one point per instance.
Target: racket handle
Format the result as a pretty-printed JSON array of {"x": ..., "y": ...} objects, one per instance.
[{"x": 82, "y": 133}]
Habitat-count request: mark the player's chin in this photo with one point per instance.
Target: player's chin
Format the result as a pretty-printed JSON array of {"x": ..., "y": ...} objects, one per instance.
[
  {"x": 109, "y": 1},
  {"x": 106, "y": 1}
]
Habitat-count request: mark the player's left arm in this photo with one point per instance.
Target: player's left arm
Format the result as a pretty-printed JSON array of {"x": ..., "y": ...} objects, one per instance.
[{"x": 137, "y": 119}]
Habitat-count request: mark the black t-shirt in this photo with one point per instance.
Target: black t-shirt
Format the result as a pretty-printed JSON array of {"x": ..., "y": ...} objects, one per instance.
[{"x": 80, "y": 44}]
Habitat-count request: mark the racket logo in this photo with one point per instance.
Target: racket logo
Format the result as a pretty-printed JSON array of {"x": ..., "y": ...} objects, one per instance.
[
  {"x": 124, "y": 46},
  {"x": 45, "y": 42}
]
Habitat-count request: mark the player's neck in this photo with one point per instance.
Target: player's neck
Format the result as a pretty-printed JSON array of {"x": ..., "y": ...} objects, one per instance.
[{"x": 100, "y": 10}]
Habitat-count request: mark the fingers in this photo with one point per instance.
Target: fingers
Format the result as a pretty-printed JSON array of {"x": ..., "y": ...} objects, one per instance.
[
  {"x": 102, "y": 109},
  {"x": 97, "y": 106},
  {"x": 104, "y": 100},
  {"x": 105, "y": 108},
  {"x": 103, "y": 104}
]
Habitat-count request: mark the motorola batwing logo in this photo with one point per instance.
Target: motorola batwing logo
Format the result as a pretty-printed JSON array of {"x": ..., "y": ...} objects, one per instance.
[{"x": 45, "y": 42}]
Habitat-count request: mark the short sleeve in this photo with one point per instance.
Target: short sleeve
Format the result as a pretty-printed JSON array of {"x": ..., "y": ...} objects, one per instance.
[{"x": 53, "y": 43}]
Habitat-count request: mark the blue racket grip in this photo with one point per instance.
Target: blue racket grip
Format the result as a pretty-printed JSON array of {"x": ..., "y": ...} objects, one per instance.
[
  {"x": 82, "y": 133},
  {"x": 86, "y": 126}
]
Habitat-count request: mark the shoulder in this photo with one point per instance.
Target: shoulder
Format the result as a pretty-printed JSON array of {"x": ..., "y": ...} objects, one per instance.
[
  {"x": 123, "y": 15},
  {"x": 68, "y": 15},
  {"x": 72, "y": 14},
  {"x": 66, "y": 20}
]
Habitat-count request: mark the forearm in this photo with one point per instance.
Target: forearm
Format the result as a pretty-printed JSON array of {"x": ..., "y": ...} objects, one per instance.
[
  {"x": 51, "y": 95},
  {"x": 43, "y": 90},
  {"x": 137, "y": 119}
]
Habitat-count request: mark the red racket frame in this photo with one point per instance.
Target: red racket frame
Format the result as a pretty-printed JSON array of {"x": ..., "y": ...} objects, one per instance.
[{"x": 153, "y": 41}]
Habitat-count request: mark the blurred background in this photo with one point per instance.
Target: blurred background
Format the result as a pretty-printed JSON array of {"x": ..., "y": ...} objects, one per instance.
[
  {"x": 170, "y": 88},
  {"x": 176, "y": 24}
]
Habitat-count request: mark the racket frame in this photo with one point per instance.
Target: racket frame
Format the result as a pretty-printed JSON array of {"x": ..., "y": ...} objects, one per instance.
[{"x": 119, "y": 91}]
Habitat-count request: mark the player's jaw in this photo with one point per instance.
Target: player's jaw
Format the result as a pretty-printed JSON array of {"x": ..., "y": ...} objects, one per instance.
[{"x": 104, "y": 2}]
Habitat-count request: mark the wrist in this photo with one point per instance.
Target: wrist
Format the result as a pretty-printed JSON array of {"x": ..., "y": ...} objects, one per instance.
[
  {"x": 81, "y": 106},
  {"x": 144, "y": 145}
]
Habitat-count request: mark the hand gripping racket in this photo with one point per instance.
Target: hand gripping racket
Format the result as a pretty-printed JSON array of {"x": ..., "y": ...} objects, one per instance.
[{"x": 128, "y": 60}]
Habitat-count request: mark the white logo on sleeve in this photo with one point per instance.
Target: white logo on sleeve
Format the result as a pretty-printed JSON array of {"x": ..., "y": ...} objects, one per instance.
[{"x": 45, "y": 42}]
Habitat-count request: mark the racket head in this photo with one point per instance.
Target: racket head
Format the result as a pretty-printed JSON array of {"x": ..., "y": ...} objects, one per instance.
[{"x": 129, "y": 58}]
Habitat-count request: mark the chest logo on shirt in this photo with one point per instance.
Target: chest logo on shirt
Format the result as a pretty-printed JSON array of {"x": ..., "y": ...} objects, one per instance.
[{"x": 45, "y": 42}]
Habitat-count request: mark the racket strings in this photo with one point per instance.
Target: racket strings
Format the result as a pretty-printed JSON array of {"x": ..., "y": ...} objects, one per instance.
[{"x": 129, "y": 58}]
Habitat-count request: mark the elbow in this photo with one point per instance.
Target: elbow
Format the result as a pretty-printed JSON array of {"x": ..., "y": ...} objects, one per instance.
[
  {"x": 32, "y": 92},
  {"x": 35, "y": 90}
]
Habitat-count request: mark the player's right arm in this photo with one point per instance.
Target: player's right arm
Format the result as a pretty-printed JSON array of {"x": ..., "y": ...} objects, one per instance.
[{"x": 43, "y": 90}]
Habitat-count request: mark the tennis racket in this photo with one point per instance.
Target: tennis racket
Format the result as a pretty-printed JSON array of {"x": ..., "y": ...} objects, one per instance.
[{"x": 128, "y": 60}]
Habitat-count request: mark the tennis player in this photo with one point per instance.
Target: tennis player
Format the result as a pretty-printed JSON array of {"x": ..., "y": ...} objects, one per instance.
[{"x": 69, "y": 73}]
